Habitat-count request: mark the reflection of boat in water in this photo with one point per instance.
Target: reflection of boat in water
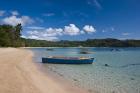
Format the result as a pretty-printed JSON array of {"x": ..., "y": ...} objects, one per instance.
[
  {"x": 115, "y": 49},
  {"x": 84, "y": 51},
  {"x": 68, "y": 60},
  {"x": 49, "y": 49}
]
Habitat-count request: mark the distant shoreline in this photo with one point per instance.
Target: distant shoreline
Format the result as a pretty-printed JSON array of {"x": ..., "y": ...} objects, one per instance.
[{"x": 79, "y": 47}]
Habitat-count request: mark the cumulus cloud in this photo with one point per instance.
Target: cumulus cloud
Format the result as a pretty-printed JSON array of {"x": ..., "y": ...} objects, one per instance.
[
  {"x": 2, "y": 12},
  {"x": 48, "y": 37},
  {"x": 71, "y": 30},
  {"x": 45, "y": 34},
  {"x": 88, "y": 28},
  {"x": 53, "y": 38},
  {"x": 51, "y": 34},
  {"x": 82, "y": 32},
  {"x": 14, "y": 20},
  {"x": 15, "y": 13}
]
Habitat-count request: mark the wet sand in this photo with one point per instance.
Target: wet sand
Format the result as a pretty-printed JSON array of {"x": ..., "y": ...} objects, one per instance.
[{"x": 19, "y": 74}]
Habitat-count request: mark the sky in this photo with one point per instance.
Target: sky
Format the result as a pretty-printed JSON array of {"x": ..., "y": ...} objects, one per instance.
[{"x": 73, "y": 19}]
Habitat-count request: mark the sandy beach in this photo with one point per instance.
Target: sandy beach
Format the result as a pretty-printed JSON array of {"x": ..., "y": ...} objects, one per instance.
[{"x": 19, "y": 74}]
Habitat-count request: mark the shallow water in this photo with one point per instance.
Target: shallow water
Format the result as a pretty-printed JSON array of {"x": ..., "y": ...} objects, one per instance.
[{"x": 122, "y": 75}]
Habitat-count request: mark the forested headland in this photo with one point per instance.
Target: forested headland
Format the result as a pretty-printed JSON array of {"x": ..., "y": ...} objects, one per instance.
[{"x": 10, "y": 36}]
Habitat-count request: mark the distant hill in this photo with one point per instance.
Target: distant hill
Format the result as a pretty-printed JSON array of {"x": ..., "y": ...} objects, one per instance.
[{"x": 109, "y": 42}]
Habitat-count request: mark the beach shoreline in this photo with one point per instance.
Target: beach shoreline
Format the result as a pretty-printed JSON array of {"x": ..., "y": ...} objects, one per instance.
[{"x": 19, "y": 74}]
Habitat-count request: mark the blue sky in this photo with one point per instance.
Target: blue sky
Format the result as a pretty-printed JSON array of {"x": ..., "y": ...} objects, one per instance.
[{"x": 73, "y": 19}]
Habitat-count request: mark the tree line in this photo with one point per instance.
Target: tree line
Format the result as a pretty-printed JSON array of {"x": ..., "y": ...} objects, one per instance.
[
  {"x": 10, "y": 36},
  {"x": 108, "y": 42}
]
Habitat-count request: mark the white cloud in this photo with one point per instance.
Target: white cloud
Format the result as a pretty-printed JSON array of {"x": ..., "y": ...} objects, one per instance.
[
  {"x": 45, "y": 34},
  {"x": 33, "y": 37},
  {"x": 51, "y": 34},
  {"x": 40, "y": 31},
  {"x": 53, "y": 38},
  {"x": 71, "y": 30},
  {"x": 88, "y": 28},
  {"x": 2, "y": 12},
  {"x": 53, "y": 31},
  {"x": 82, "y": 32},
  {"x": 48, "y": 38},
  {"x": 33, "y": 32},
  {"x": 14, "y": 20},
  {"x": 41, "y": 38},
  {"x": 15, "y": 13},
  {"x": 126, "y": 34},
  {"x": 35, "y": 27}
]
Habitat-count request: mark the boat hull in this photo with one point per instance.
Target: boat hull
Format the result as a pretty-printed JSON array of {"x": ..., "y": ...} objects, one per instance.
[{"x": 67, "y": 61}]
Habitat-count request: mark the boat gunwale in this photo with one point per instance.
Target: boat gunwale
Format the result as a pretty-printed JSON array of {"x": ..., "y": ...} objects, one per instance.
[{"x": 70, "y": 58}]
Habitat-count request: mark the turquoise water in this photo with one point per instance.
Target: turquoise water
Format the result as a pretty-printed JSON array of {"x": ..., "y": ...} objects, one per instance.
[{"x": 121, "y": 76}]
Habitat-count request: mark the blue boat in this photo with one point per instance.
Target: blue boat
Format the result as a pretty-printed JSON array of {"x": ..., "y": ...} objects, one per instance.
[{"x": 67, "y": 60}]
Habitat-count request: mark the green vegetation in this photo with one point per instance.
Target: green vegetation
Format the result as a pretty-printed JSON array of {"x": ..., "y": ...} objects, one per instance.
[
  {"x": 109, "y": 42},
  {"x": 10, "y": 37}
]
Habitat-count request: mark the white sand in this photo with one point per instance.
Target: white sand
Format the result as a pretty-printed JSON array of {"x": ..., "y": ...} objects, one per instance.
[{"x": 18, "y": 74}]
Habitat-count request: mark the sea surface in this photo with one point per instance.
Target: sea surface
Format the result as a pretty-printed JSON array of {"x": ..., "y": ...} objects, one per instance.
[{"x": 122, "y": 75}]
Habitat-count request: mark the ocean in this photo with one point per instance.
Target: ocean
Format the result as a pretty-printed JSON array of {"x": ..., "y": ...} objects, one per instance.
[{"x": 122, "y": 75}]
